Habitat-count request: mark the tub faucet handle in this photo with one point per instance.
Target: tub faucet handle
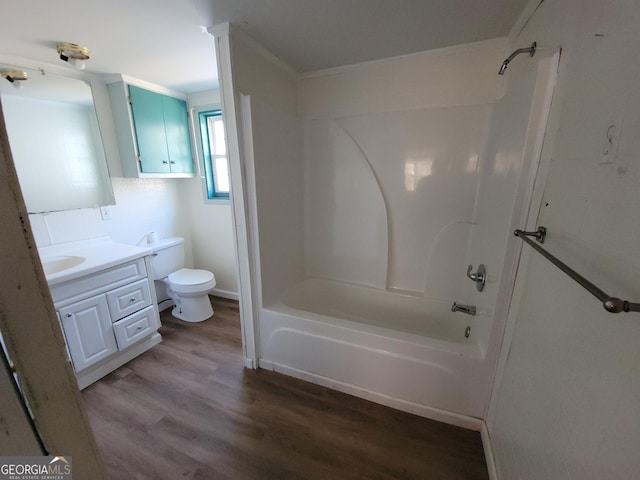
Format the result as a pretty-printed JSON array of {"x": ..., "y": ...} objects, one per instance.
[{"x": 480, "y": 277}]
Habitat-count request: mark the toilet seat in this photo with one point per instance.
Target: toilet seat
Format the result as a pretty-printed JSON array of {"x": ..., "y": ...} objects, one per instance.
[{"x": 189, "y": 280}]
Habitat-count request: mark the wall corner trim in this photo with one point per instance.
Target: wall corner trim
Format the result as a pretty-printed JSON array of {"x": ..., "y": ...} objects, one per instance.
[
  {"x": 488, "y": 452},
  {"x": 219, "y": 29}
]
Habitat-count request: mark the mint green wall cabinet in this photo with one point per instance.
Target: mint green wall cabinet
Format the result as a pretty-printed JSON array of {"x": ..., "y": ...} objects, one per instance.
[
  {"x": 176, "y": 124},
  {"x": 153, "y": 132}
]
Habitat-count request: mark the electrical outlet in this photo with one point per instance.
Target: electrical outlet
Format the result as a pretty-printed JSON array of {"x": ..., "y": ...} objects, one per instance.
[{"x": 105, "y": 212}]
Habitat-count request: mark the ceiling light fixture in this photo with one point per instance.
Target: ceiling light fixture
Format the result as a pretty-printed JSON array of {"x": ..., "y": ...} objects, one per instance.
[
  {"x": 15, "y": 77},
  {"x": 75, "y": 55}
]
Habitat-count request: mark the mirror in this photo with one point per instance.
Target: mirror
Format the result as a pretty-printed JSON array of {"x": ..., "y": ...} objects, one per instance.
[{"x": 55, "y": 141}]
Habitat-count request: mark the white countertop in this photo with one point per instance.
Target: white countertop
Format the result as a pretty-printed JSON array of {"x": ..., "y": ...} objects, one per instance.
[{"x": 98, "y": 254}]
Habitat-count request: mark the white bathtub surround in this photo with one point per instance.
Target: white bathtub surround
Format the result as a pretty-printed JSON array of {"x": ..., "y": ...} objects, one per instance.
[
  {"x": 369, "y": 189},
  {"x": 390, "y": 197}
]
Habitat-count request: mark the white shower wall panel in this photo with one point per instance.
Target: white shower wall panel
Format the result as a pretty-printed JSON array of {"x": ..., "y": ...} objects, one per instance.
[
  {"x": 391, "y": 197},
  {"x": 346, "y": 217}
]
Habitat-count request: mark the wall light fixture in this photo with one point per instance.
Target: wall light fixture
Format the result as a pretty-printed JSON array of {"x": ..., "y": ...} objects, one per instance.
[{"x": 15, "y": 77}]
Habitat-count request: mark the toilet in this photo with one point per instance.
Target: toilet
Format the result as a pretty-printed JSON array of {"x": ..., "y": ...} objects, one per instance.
[{"x": 185, "y": 288}]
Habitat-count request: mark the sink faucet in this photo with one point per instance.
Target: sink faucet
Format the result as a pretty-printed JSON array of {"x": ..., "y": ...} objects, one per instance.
[{"x": 468, "y": 309}]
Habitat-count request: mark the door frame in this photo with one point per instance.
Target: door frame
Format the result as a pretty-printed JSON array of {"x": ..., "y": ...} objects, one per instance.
[
  {"x": 538, "y": 147},
  {"x": 240, "y": 203}
]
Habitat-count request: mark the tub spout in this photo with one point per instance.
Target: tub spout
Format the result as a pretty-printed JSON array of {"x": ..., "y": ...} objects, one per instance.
[{"x": 468, "y": 309}]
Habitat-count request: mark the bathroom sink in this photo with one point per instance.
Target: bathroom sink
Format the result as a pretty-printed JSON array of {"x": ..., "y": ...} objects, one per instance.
[{"x": 53, "y": 265}]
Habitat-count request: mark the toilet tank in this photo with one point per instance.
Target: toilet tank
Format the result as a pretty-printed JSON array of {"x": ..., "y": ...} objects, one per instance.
[{"x": 167, "y": 256}]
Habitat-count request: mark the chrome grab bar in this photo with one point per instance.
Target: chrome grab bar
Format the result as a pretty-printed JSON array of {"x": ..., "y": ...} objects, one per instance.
[{"x": 610, "y": 304}]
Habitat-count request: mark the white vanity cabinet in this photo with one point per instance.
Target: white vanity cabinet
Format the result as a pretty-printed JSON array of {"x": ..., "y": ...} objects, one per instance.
[
  {"x": 88, "y": 331},
  {"x": 108, "y": 317}
]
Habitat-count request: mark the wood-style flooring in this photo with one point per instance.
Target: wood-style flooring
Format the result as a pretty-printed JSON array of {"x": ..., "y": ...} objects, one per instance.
[{"x": 187, "y": 409}]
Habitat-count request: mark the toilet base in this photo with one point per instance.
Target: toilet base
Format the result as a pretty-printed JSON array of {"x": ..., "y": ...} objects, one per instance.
[{"x": 193, "y": 309}]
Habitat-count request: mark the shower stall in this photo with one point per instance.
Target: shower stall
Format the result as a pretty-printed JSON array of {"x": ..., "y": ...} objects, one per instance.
[{"x": 368, "y": 193}]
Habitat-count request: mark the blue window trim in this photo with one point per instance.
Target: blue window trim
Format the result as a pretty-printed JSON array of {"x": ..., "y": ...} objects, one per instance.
[{"x": 209, "y": 170}]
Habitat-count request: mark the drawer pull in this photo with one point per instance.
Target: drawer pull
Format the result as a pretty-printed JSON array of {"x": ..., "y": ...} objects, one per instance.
[
  {"x": 132, "y": 299},
  {"x": 139, "y": 328},
  {"x": 69, "y": 315}
]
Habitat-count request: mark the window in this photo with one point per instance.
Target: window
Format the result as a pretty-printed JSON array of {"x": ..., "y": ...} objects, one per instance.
[{"x": 214, "y": 154}]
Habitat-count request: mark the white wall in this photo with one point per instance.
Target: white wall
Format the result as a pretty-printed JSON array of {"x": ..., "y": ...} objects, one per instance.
[
  {"x": 209, "y": 224},
  {"x": 142, "y": 206},
  {"x": 567, "y": 403}
]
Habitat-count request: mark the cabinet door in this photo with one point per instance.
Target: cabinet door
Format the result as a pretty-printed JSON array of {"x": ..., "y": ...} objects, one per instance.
[
  {"x": 88, "y": 330},
  {"x": 148, "y": 120},
  {"x": 176, "y": 122}
]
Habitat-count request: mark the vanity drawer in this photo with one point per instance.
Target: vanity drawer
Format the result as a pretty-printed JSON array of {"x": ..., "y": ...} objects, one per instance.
[
  {"x": 134, "y": 328},
  {"x": 126, "y": 300}
]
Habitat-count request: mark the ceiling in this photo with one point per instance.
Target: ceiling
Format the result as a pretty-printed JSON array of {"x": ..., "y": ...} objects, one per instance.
[{"x": 165, "y": 41}]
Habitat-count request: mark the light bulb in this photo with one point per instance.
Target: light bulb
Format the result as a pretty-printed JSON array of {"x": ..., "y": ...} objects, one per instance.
[{"x": 78, "y": 63}]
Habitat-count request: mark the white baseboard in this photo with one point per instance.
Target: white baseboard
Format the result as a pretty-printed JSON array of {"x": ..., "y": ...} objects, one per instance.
[
  {"x": 225, "y": 294},
  {"x": 464, "y": 421},
  {"x": 488, "y": 452}
]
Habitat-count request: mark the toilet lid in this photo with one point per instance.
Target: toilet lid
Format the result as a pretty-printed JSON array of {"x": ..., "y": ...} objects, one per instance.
[{"x": 188, "y": 276}]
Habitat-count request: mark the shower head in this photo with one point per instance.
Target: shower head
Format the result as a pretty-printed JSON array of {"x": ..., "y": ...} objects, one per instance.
[{"x": 531, "y": 51}]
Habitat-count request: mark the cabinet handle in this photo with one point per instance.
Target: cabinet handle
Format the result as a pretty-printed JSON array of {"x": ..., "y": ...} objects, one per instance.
[
  {"x": 172, "y": 161},
  {"x": 138, "y": 329},
  {"x": 69, "y": 315},
  {"x": 132, "y": 299},
  {"x": 164, "y": 161}
]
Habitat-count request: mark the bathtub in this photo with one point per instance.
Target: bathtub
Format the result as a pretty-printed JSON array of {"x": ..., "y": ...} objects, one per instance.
[
  {"x": 393, "y": 312},
  {"x": 407, "y": 352}
]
